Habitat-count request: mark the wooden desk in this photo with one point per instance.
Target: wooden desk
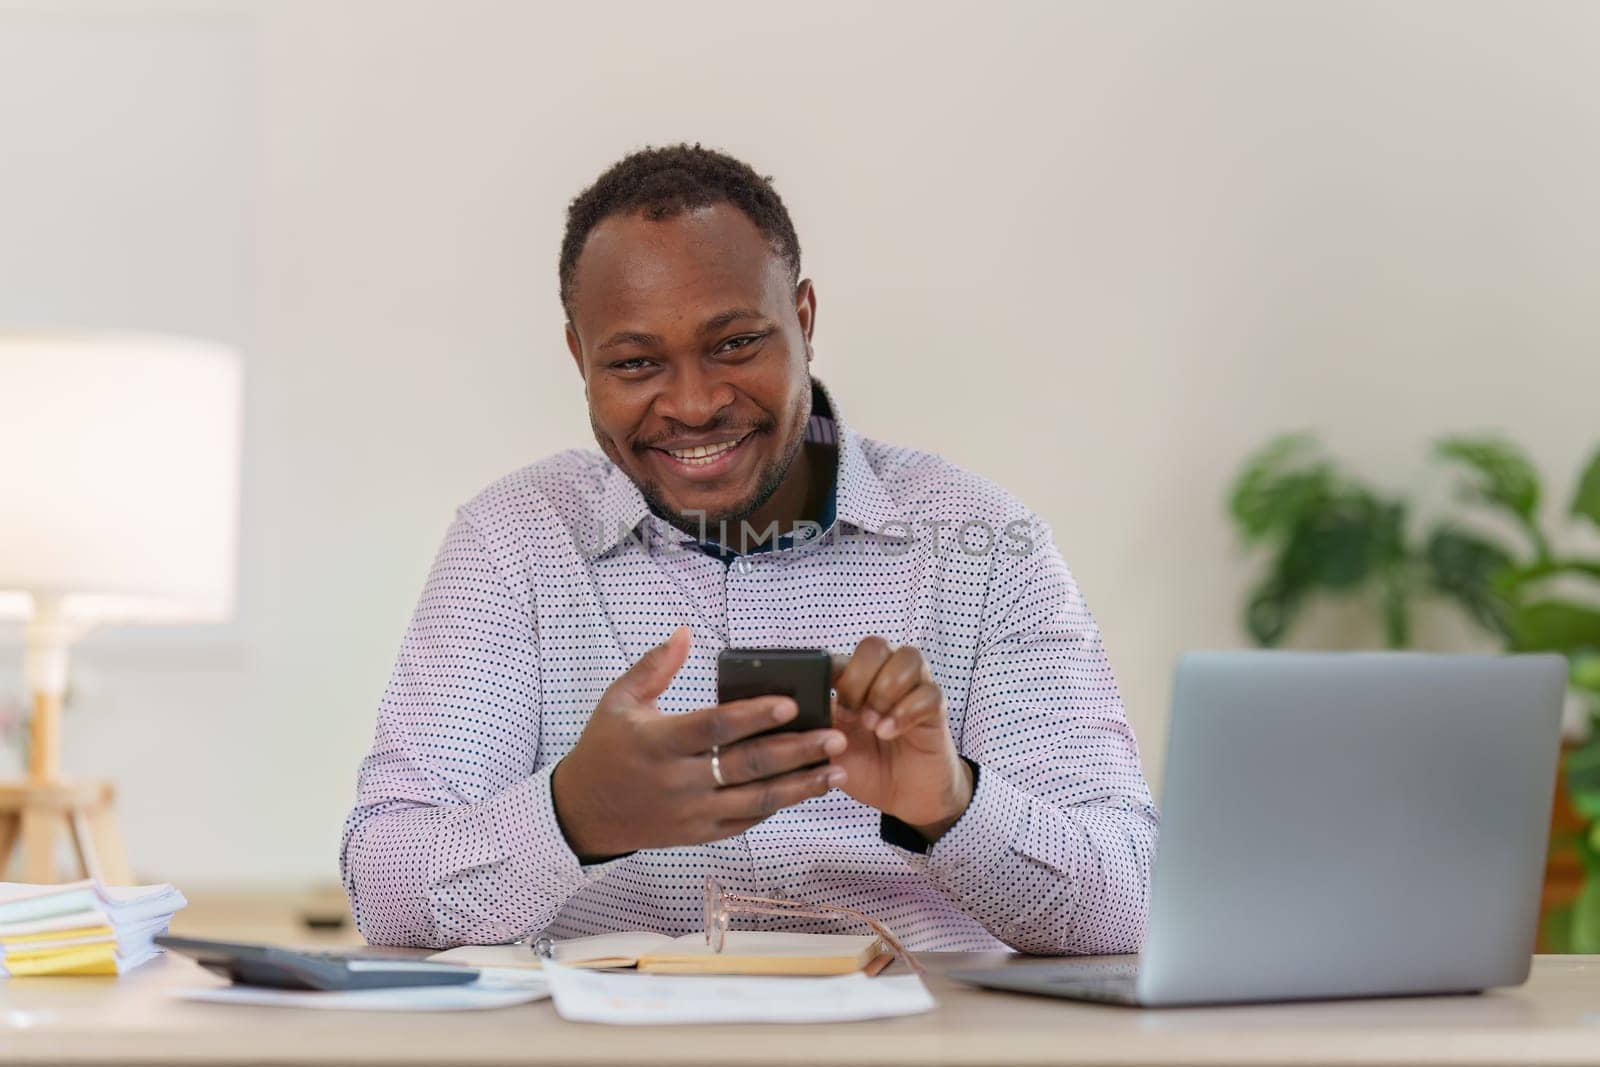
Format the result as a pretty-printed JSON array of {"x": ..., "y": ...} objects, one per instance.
[{"x": 1555, "y": 1018}]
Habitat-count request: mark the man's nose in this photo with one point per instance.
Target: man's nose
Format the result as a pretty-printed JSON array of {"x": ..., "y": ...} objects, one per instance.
[{"x": 692, "y": 397}]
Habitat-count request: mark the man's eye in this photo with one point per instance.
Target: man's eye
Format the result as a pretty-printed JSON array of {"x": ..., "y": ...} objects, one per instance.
[
  {"x": 733, "y": 344},
  {"x": 626, "y": 365}
]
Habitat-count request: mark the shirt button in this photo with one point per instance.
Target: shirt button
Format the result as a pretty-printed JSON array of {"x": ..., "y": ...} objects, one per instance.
[{"x": 742, "y": 566}]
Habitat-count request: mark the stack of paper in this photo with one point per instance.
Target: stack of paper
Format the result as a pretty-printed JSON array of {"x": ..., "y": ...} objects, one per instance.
[{"x": 81, "y": 927}]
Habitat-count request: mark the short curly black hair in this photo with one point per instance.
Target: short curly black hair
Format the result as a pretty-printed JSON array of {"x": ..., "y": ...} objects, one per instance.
[{"x": 661, "y": 183}]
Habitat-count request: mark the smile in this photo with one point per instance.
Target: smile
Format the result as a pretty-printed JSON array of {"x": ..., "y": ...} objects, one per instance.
[
  {"x": 704, "y": 458},
  {"x": 704, "y": 455}
]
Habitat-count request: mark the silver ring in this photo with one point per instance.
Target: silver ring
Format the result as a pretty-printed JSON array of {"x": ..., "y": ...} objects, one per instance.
[{"x": 716, "y": 767}]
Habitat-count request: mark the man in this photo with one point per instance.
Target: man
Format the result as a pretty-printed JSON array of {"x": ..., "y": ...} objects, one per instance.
[{"x": 550, "y": 755}]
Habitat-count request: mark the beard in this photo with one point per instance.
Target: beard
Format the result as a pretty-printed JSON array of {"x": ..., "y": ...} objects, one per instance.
[{"x": 771, "y": 477}]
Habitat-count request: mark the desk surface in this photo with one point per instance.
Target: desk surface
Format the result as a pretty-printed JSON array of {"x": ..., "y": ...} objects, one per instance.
[{"x": 1555, "y": 1018}]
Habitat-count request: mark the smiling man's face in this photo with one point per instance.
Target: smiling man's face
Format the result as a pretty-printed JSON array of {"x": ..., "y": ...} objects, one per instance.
[{"x": 693, "y": 344}]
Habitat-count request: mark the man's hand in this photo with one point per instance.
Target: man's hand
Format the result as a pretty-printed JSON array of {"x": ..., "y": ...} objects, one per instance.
[
  {"x": 901, "y": 757},
  {"x": 640, "y": 779}
]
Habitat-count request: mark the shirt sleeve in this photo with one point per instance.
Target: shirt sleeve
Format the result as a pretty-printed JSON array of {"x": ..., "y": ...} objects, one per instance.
[
  {"x": 1054, "y": 853},
  {"x": 453, "y": 838}
]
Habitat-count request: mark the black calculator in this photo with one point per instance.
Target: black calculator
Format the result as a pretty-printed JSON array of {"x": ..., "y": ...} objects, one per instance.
[{"x": 283, "y": 968}]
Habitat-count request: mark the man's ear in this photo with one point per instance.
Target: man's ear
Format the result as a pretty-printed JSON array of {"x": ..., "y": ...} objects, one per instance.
[
  {"x": 576, "y": 348},
  {"x": 805, "y": 309}
]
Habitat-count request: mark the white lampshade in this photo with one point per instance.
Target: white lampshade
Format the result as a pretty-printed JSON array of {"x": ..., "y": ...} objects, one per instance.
[{"x": 119, "y": 476}]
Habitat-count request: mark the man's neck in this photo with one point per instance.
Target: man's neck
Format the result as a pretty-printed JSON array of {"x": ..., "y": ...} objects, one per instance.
[{"x": 803, "y": 495}]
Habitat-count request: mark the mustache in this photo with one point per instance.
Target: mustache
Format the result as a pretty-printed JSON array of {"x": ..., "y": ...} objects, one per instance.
[{"x": 656, "y": 440}]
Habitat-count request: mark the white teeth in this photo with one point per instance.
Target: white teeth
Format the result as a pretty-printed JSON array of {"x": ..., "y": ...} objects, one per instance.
[{"x": 700, "y": 455}]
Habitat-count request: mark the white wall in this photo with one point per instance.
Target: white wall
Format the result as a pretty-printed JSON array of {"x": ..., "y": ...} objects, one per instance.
[{"x": 1094, "y": 251}]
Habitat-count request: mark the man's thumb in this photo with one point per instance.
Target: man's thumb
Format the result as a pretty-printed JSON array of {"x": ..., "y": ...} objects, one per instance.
[{"x": 650, "y": 676}]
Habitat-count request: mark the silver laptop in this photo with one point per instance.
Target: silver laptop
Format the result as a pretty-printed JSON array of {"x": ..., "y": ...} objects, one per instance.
[{"x": 1340, "y": 825}]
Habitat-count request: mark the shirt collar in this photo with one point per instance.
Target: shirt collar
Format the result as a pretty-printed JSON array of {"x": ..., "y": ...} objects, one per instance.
[
  {"x": 622, "y": 509},
  {"x": 860, "y": 498}
]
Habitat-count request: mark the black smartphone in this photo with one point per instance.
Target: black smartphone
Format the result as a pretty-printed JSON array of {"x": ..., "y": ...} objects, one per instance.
[{"x": 806, "y": 674}]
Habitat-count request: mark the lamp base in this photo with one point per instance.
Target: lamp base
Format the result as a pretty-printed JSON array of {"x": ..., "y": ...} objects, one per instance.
[{"x": 34, "y": 813}]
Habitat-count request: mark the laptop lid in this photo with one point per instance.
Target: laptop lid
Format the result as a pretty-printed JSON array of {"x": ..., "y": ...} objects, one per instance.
[{"x": 1351, "y": 824}]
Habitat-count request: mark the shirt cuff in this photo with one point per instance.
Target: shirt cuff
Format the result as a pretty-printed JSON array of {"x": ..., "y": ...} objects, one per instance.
[
  {"x": 531, "y": 840},
  {"x": 960, "y": 862},
  {"x": 903, "y": 835}
]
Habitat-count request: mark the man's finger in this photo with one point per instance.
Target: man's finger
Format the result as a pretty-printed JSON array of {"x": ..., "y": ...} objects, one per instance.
[
  {"x": 899, "y": 675},
  {"x": 723, "y": 724},
  {"x": 844, "y": 717},
  {"x": 853, "y": 682},
  {"x": 923, "y": 704},
  {"x": 838, "y": 661},
  {"x": 767, "y": 757},
  {"x": 755, "y": 801},
  {"x": 654, "y": 671}
]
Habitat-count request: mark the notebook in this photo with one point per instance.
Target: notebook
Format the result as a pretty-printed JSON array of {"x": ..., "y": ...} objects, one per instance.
[{"x": 743, "y": 952}]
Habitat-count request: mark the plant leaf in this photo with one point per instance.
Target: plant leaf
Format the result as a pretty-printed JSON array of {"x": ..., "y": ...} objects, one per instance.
[
  {"x": 1515, "y": 580},
  {"x": 1587, "y": 805},
  {"x": 1584, "y": 933},
  {"x": 1341, "y": 542},
  {"x": 1586, "y": 501},
  {"x": 1555, "y": 931},
  {"x": 1505, "y": 477},
  {"x": 1586, "y": 671},
  {"x": 1586, "y": 853},
  {"x": 1396, "y": 610},
  {"x": 1277, "y": 485},
  {"x": 1584, "y": 757},
  {"x": 1469, "y": 568},
  {"x": 1580, "y": 770},
  {"x": 1554, "y": 626},
  {"x": 1270, "y": 610}
]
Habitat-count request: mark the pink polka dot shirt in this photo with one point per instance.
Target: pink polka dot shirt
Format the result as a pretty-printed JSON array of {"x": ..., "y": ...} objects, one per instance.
[{"x": 557, "y": 577}]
